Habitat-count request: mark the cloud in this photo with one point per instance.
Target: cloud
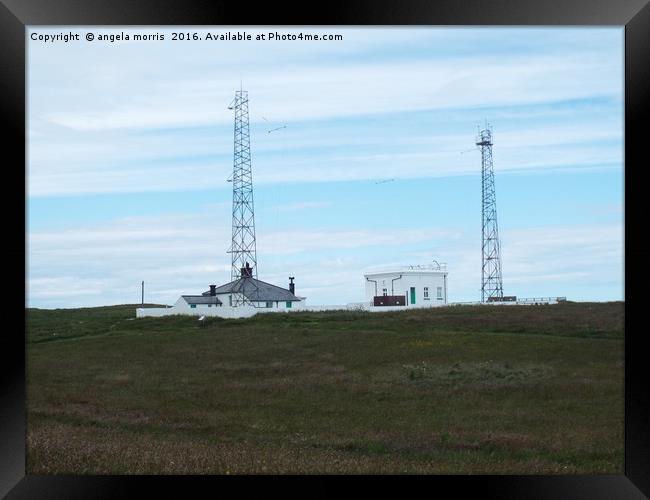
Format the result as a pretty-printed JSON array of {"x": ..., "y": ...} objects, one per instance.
[
  {"x": 297, "y": 207},
  {"x": 196, "y": 237},
  {"x": 323, "y": 156},
  {"x": 65, "y": 287},
  {"x": 135, "y": 117},
  {"x": 547, "y": 261},
  {"x": 303, "y": 240},
  {"x": 287, "y": 93},
  {"x": 183, "y": 254},
  {"x": 176, "y": 252}
]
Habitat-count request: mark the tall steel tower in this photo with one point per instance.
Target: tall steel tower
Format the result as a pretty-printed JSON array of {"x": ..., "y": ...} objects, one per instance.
[
  {"x": 492, "y": 281},
  {"x": 243, "y": 248}
]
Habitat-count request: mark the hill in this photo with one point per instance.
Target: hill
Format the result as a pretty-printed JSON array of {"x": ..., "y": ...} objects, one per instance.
[{"x": 465, "y": 389}]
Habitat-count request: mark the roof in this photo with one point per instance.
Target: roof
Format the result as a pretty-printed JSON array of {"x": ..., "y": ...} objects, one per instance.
[
  {"x": 201, "y": 299},
  {"x": 256, "y": 290}
]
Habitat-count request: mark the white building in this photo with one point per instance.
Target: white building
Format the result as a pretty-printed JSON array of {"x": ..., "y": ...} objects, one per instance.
[
  {"x": 226, "y": 300},
  {"x": 409, "y": 286}
]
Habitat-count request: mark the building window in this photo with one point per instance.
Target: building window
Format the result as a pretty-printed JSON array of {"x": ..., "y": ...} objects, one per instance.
[
  {"x": 439, "y": 293},
  {"x": 230, "y": 300},
  {"x": 209, "y": 305},
  {"x": 269, "y": 304},
  {"x": 193, "y": 306},
  {"x": 385, "y": 292},
  {"x": 426, "y": 293},
  {"x": 288, "y": 304}
]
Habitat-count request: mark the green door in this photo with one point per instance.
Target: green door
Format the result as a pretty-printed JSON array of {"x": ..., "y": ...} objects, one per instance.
[{"x": 412, "y": 295}]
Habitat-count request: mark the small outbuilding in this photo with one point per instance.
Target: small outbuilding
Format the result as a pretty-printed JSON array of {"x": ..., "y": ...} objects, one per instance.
[{"x": 408, "y": 286}]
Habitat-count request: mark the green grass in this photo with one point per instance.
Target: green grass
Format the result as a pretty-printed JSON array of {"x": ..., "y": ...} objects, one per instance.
[{"x": 467, "y": 389}]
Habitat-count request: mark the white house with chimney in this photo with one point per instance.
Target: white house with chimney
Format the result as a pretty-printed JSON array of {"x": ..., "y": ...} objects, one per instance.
[{"x": 240, "y": 298}]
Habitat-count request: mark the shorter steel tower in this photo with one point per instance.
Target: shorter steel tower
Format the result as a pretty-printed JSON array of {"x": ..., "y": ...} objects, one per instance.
[{"x": 492, "y": 281}]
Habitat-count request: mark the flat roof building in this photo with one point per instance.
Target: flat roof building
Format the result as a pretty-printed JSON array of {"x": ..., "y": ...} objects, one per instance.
[{"x": 408, "y": 286}]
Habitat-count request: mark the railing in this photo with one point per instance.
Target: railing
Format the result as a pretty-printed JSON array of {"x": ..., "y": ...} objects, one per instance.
[
  {"x": 428, "y": 267},
  {"x": 523, "y": 301},
  {"x": 537, "y": 300},
  {"x": 420, "y": 267}
]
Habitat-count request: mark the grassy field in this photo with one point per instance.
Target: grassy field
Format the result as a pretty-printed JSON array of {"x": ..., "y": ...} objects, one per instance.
[{"x": 466, "y": 389}]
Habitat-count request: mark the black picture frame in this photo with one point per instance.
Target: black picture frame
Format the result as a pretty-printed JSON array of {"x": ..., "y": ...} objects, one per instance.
[{"x": 15, "y": 15}]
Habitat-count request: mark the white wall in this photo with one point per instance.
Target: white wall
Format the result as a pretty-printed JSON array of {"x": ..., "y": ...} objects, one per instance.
[
  {"x": 402, "y": 286},
  {"x": 248, "y": 311},
  {"x": 221, "y": 312}
]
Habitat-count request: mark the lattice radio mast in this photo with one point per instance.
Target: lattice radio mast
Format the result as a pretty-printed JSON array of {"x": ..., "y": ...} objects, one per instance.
[
  {"x": 243, "y": 248},
  {"x": 492, "y": 281}
]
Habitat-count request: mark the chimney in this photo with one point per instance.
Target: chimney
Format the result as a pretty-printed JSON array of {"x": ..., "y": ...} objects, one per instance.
[
  {"x": 213, "y": 290},
  {"x": 246, "y": 272},
  {"x": 292, "y": 287}
]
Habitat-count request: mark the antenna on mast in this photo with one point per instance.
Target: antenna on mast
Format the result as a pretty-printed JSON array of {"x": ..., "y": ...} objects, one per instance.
[{"x": 491, "y": 278}]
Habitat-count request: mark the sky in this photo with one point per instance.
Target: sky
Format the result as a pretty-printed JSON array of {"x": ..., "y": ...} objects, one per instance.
[{"x": 130, "y": 146}]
